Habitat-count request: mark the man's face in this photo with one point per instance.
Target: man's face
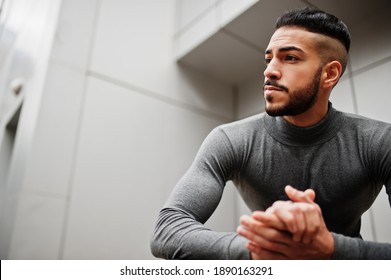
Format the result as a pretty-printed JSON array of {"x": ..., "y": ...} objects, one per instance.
[{"x": 292, "y": 75}]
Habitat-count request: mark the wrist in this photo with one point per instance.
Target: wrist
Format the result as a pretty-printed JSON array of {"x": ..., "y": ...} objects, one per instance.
[{"x": 326, "y": 241}]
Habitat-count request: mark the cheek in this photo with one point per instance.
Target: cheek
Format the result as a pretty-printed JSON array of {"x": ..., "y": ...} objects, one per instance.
[
  {"x": 299, "y": 79},
  {"x": 295, "y": 80}
]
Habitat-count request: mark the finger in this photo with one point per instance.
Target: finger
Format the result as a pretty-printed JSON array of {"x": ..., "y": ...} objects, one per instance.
[
  {"x": 250, "y": 235},
  {"x": 259, "y": 253},
  {"x": 251, "y": 223},
  {"x": 310, "y": 193},
  {"x": 258, "y": 232},
  {"x": 251, "y": 229},
  {"x": 275, "y": 245},
  {"x": 269, "y": 219},
  {"x": 283, "y": 211},
  {"x": 264, "y": 231},
  {"x": 307, "y": 219},
  {"x": 299, "y": 196},
  {"x": 300, "y": 221},
  {"x": 313, "y": 224}
]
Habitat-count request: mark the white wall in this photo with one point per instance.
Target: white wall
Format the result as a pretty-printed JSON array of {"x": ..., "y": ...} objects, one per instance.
[
  {"x": 198, "y": 20},
  {"x": 26, "y": 38},
  {"x": 370, "y": 74},
  {"x": 118, "y": 125}
]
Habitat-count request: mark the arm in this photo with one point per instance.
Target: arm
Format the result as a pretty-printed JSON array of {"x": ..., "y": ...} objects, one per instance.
[
  {"x": 348, "y": 248},
  {"x": 377, "y": 145},
  {"x": 180, "y": 232}
]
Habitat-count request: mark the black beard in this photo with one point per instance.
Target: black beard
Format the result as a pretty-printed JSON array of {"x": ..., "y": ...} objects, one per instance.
[{"x": 300, "y": 100}]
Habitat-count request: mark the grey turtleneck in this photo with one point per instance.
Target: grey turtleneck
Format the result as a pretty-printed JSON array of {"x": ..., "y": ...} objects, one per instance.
[{"x": 345, "y": 158}]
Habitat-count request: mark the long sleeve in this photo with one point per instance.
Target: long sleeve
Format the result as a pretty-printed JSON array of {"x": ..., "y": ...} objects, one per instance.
[
  {"x": 348, "y": 248},
  {"x": 345, "y": 158},
  {"x": 180, "y": 232},
  {"x": 380, "y": 163}
]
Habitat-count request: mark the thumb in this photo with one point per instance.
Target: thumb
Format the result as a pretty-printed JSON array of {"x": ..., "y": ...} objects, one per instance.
[
  {"x": 310, "y": 194},
  {"x": 300, "y": 196}
]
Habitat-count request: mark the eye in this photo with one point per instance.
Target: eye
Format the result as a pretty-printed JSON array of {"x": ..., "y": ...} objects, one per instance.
[
  {"x": 267, "y": 60},
  {"x": 291, "y": 58}
]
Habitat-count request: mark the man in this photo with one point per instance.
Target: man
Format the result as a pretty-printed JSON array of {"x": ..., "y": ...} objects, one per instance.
[{"x": 336, "y": 162}]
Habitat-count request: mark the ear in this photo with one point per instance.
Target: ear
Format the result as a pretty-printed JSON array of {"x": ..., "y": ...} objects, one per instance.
[{"x": 332, "y": 71}]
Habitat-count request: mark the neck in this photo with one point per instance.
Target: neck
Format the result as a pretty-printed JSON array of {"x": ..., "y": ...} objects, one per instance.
[{"x": 309, "y": 117}]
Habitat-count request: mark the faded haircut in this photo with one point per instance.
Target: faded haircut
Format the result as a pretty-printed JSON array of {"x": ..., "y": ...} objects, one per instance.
[
  {"x": 316, "y": 21},
  {"x": 320, "y": 22}
]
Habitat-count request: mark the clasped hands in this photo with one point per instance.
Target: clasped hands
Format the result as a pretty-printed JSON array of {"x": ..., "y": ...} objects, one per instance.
[{"x": 292, "y": 229}]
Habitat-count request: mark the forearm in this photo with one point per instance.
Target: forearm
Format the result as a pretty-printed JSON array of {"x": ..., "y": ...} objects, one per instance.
[
  {"x": 349, "y": 248},
  {"x": 178, "y": 236}
]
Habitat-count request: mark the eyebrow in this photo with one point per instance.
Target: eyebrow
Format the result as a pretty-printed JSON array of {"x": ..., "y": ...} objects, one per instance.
[{"x": 285, "y": 49}]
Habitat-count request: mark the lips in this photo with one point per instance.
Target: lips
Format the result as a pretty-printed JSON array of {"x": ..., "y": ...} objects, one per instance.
[
  {"x": 272, "y": 88},
  {"x": 272, "y": 92},
  {"x": 269, "y": 91}
]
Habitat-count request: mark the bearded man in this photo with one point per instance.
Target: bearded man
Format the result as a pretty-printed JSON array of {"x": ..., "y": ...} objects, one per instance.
[{"x": 337, "y": 163}]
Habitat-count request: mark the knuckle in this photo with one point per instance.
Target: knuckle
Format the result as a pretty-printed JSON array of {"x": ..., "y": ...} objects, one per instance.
[
  {"x": 290, "y": 219},
  {"x": 273, "y": 246},
  {"x": 312, "y": 207},
  {"x": 272, "y": 235},
  {"x": 296, "y": 209},
  {"x": 277, "y": 203}
]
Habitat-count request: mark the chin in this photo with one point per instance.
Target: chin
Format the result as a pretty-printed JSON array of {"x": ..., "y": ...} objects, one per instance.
[{"x": 274, "y": 110}]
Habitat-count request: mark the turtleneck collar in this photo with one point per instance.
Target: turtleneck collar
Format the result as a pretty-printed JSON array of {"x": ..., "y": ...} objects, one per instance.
[{"x": 289, "y": 134}]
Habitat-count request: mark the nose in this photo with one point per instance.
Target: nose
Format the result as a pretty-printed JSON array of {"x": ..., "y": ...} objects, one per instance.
[{"x": 272, "y": 71}]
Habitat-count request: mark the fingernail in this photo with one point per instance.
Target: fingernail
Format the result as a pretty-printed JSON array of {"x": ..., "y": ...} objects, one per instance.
[{"x": 244, "y": 220}]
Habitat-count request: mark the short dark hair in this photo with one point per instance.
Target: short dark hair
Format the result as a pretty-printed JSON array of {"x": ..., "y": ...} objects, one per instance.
[{"x": 316, "y": 21}]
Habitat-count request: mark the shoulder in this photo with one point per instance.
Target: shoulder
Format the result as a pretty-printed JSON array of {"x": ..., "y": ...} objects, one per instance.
[
  {"x": 236, "y": 135},
  {"x": 243, "y": 127},
  {"x": 367, "y": 125},
  {"x": 375, "y": 134},
  {"x": 227, "y": 142}
]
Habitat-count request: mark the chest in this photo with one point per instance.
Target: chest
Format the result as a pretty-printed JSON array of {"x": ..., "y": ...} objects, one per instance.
[{"x": 336, "y": 171}]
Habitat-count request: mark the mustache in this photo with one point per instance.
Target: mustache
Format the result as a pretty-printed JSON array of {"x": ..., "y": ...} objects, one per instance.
[{"x": 275, "y": 84}]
